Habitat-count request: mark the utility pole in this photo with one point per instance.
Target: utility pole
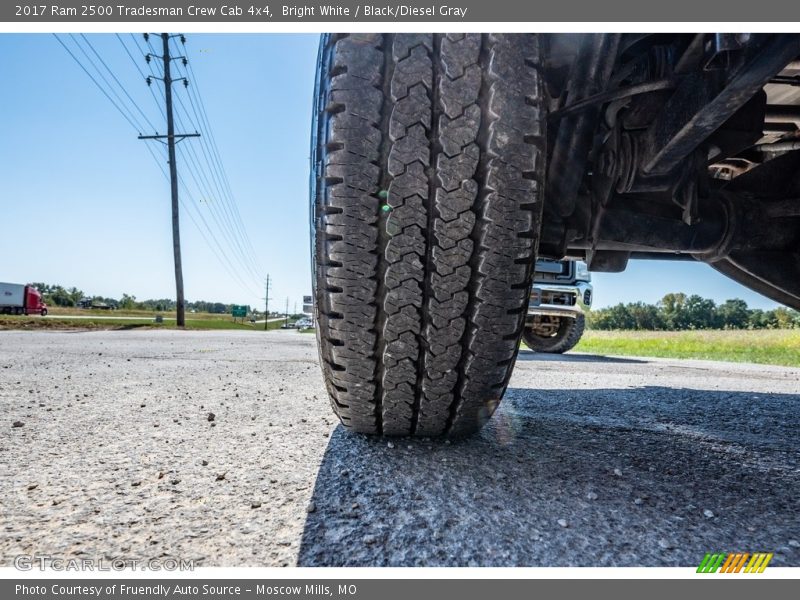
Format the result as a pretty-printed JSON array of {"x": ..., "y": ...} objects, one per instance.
[
  {"x": 173, "y": 169},
  {"x": 266, "y": 306},
  {"x": 287, "y": 312}
]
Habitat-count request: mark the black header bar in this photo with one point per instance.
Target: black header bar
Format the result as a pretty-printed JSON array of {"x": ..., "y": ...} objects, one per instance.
[{"x": 408, "y": 11}]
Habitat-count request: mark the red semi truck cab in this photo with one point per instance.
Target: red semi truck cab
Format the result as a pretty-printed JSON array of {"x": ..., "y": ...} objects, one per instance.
[
  {"x": 33, "y": 302},
  {"x": 19, "y": 299}
]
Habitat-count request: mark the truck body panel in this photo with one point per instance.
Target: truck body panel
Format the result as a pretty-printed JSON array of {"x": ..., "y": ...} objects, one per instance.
[
  {"x": 558, "y": 289},
  {"x": 12, "y": 295}
]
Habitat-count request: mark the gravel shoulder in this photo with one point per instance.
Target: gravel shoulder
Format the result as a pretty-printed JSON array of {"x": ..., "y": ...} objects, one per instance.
[{"x": 590, "y": 460}]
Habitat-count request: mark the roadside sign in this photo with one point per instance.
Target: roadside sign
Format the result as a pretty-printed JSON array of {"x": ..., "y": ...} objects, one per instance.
[{"x": 238, "y": 311}]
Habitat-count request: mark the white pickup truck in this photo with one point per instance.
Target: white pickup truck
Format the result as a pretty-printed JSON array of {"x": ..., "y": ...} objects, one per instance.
[{"x": 560, "y": 293}]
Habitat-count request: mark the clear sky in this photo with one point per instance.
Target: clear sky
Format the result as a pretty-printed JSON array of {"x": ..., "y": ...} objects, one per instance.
[{"x": 84, "y": 203}]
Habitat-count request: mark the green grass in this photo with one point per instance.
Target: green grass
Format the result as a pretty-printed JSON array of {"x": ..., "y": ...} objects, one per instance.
[
  {"x": 772, "y": 347},
  {"x": 57, "y": 311},
  {"x": 192, "y": 322},
  {"x": 72, "y": 310}
]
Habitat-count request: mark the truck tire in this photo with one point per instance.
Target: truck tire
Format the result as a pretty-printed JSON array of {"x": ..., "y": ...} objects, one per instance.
[
  {"x": 428, "y": 160},
  {"x": 568, "y": 335}
]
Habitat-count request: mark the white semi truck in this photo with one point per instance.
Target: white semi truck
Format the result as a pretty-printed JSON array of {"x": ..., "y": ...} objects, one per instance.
[{"x": 17, "y": 299}]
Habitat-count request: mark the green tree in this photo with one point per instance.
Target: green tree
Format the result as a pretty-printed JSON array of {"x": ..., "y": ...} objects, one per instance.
[
  {"x": 60, "y": 297},
  {"x": 757, "y": 319},
  {"x": 612, "y": 317},
  {"x": 733, "y": 314},
  {"x": 75, "y": 295},
  {"x": 645, "y": 316},
  {"x": 127, "y": 302},
  {"x": 783, "y": 318},
  {"x": 673, "y": 311},
  {"x": 700, "y": 312}
]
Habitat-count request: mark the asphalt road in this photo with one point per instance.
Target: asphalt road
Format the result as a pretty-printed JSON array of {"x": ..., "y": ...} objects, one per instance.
[{"x": 591, "y": 460}]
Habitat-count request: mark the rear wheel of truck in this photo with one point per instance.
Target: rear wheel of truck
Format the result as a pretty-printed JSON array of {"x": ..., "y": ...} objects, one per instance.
[
  {"x": 428, "y": 160},
  {"x": 557, "y": 336}
]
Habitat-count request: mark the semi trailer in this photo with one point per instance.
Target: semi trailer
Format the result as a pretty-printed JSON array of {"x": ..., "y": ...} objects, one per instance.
[{"x": 17, "y": 299}]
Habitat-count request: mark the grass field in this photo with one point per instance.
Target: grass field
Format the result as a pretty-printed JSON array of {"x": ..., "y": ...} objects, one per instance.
[
  {"x": 55, "y": 311},
  {"x": 107, "y": 320},
  {"x": 772, "y": 347}
]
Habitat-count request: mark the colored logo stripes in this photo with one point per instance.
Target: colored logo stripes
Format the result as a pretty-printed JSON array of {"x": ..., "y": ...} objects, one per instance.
[{"x": 734, "y": 562}]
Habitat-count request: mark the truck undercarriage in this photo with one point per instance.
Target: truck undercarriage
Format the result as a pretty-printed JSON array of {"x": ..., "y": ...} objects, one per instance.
[{"x": 680, "y": 147}]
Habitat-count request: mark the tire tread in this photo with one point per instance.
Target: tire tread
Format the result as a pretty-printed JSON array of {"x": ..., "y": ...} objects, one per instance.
[{"x": 426, "y": 225}]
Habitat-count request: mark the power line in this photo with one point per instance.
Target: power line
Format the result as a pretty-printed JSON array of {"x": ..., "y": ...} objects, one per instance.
[
  {"x": 194, "y": 93},
  {"x": 171, "y": 138},
  {"x": 128, "y": 115},
  {"x": 110, "y": 99},
  {"x": 198, "y": 173},
  {"x": 225, "y": 194},
  {"x": 103, "y": 62},
  {"x": 226, "y": 218},
  {"x": 202, "y": 186},
  {"x": 193, "y": 156},
  {"x": 144, "y": 77},
  {"x": 266, "y": 305},
  {"x": 226, "y": 263},
  {"x": 111, "y": 88},
  {"x": 151, "y": 64}
]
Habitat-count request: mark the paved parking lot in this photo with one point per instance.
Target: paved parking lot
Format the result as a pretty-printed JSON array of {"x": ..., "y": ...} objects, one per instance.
[{"x": 221, "y": 447}]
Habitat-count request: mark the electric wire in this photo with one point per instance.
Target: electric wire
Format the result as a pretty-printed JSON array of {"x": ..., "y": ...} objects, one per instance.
[
  {"x": 219, "y": 216},
  {"x": 193, "y": 156},
  {"x": 226, "y": 263},
  {"x": 226, "y": 196},
  {"x": 144, "y": 77},
  {"x": 99, "y": 87},
  {"x": 122, "y": 87},
  {"x": 128, "y": 115},
  {"x": 236, "y": 231},
  {"x": 195, "y": 95}
]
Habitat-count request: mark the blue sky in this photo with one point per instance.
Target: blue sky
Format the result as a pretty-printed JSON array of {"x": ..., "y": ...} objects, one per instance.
[{"x": 84, "y": 203}]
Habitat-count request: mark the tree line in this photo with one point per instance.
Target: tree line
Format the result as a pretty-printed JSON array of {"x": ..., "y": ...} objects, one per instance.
[
  {"x": 57, "y": 295},
  {"x": 678, "y": 311}
]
